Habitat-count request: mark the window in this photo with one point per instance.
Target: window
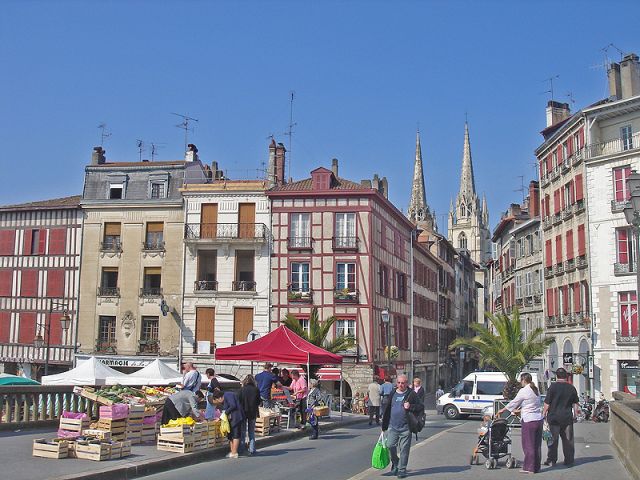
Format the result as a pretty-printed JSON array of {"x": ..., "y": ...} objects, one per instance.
[
  {"x": 304, "y": 323},
  {"x": 7, "y": 242},
  {"x": 299, "y": 277},
  {"x": 627, "y": 137},
  {"x": 300, "y": 230},
  {"x": 540, "y": 281},
  {"x": 528, "y": 284},
  {"x": 383, "y": 280},
  {"x": 463, "y": 210},
  {"x": 150, "y": 328},
  {"x": 107, "y": 332},
  {"x": 346, "y": 276},
  {"x": 345, "y": 232},
  {"x": 29, "y": 283},
  {"x": 109, "y": 281},
  {"x": 625, "y": 248},
  {"x": 152, "y": 281},
  {"x": 116, "y": 190},
  {"x": 207, "y": 266},
  {"x": 55, "y": 283},
  {"x": 57, "y": 241},
  {"x": 567, "y": 193},
  {"x": 576, "y": 142},
  {"x": 490, "y": 388},
  {"x": 154, "y": 239},
  {"x": 158, "y": 190},
  {"x": 245, "y": 271},
  {"x": 554, "y": 156},
  {"x": 518, "y": 286},
  {"x": 6, "y": 282},
  {"x": 628, "y": 313},
  {"x": 346, "y": 327},
  {"x": 464, "y": 388},
  {"x": 205, "y": 327},
  {"x": 111, "y": 239},
  {"x": 400, "y": 286},
  {"x": 462, "y": 241},
  {"x": 620, "y": 176},
  {"x": 35, "y": 242},
  {"x": 565, "y": 150}
]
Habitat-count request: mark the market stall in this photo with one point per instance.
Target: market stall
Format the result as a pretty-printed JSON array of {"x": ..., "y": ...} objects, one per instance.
[{"x": 91, "y": 372}]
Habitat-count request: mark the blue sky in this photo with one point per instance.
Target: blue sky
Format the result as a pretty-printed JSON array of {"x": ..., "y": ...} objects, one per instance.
[{"x": 364, "y": 75}]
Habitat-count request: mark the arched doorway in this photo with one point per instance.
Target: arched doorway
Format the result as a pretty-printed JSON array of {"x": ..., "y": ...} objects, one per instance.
[{"x": 583, "y": 359}]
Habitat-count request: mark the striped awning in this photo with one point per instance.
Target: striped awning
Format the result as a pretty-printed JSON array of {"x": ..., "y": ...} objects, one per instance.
[{"x": 329, "y": 373}]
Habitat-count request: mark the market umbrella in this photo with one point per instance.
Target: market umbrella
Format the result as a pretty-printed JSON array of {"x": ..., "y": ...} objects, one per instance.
[{"x": 7, "y": 379}]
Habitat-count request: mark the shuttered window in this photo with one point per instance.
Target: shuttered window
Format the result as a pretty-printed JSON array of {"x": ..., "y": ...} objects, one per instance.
[
  {"x": 558, "y": 248},
  {"x": 112, "y": 229},
  {"x": 57, "y": 241},
  {"x": 7, "y": 242},
  {"x": 556, "y": 201},
  {"x": 569, "y": 244},
  {"x": 548, "y": 257},
  {"x": 579, "y": 188},
  {"x": 576, "y": 297},
  {"x": 27, "y": 330},
  {"x": 6, "y": 279},
  {"x": 242, "y": 324},
  {"x": 29, "y": 283},
  {"x": 55, "y": 283},
  {"x": 582, "y": 249},
  {"x": 5, "y": 327}
]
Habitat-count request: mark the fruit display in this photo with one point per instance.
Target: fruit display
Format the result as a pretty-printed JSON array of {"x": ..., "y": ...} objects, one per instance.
[
  {"x": 128, "y": 395},
  {"x": 178, "y": 422}
]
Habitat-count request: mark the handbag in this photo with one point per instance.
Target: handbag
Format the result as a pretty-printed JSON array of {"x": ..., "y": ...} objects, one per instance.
[
  {"x": 546, "y": 433},
  {"x": 225, "y": 426},
  {"x": 380, "y": 456}
]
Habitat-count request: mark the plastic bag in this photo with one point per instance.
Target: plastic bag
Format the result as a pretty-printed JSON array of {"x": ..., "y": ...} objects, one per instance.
[
  {"x": 380, "y": 456},
  {"x": 546, "y": 433},
  {"x": 225, "y": 426}
]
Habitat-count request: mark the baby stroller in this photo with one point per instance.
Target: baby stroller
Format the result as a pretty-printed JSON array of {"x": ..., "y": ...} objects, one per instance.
[{"x": 494, "y": 445}]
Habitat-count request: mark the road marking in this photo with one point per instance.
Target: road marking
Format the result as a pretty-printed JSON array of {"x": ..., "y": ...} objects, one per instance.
[{"x": 371, "y": 471}]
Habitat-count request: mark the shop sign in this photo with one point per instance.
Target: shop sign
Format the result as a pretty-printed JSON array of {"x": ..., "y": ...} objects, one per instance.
[
  {"x": 567, "y": 358},
  {"x": 628, "y": 364}
]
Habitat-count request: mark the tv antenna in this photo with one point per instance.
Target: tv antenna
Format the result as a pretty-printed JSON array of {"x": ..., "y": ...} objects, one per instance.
[
  {"x": 185, "y": 126},
  {"x": 521, "y": 189},
  {"x": 104, "y": 133},
  {"x": 140, "y": 146},
  {"x": 571, "y": 99},
  {"x": 550, "y": 80},
  {"x": 289, "y": 133},
  {"x": 154, "y": 149}
]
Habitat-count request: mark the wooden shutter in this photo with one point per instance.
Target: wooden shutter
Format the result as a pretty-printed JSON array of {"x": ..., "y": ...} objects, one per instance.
[
  {"x": 155, "y": 227},
  {"x": 558, "y": 248},
  {"x": 247, "y": 220},
  {"x": 6, "y": 280},
  {"x": 581, "y": 137},
  {"x": 153, "y": 271},
  {"x": 205, "y": 324},
  {"x": 55, "y": 283},
  {"x": 42, "y": 242},
  {"x": 576, "y": 297},
  {"x": 542, "y": 172},
  {"x": 7, "y": 242},
  {"x": 29, "y": 283},
  {"x": 27, "y": 330},
  {"x": 549, "y": 298},
  {"x": 569, "y": 241},
  {"x": 559, "y": 154},
  {"x": 579, "y": 187},
  {"x": 556, "y": 201},
  {"x": 549, "y": 166},
  {"x": 112, "y": 229},
  {"x": 5, "y": 327},
  {"x": 582, "y": 249},
  {"x": 572, "y": 192},
  {"x": 569, "y": 146},
  {"x": 57, "y": 241},
  {"x": 565, "y": 300},
  {"x": 209, "y": 220},
  {"x": 26, "y": 245},
  {"x": 56, "y": 329},
  {"x": 242, "y": 323},
  {"x": 548, "y": 257}
]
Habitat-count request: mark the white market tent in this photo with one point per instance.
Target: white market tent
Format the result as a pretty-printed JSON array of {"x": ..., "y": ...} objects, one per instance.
[
  {"x": 91, "y": 372},
  {"x": 157, "y": 373}
]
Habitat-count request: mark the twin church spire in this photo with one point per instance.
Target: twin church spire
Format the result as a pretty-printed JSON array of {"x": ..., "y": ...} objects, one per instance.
[{"x": 419, "y": 212}]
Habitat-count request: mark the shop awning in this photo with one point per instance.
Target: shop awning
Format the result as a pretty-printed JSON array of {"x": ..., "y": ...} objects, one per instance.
[{"x": 329, "y": 374}]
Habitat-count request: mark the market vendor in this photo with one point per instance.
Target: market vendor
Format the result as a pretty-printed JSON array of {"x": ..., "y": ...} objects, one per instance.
[{"x": 182, "y": 404}]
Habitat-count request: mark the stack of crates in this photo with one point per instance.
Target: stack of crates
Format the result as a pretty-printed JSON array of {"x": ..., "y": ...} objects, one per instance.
[
  {"x": 114, "y": 419},
  {"x": 267, "y": 425},
  {"x": 184, "y": 438},
  {"x": 214, "y": 433},
  {"x": 149, "y": 425},
  {"x": 134, "y": 424}
]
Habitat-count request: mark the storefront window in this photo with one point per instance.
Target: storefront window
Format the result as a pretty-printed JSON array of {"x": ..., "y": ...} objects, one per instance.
[{"x": 627, "y": 372}]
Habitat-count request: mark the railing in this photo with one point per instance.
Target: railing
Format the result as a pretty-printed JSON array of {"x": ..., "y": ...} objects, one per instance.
[
  {"x": 345, "y": 296},
  {"x": 566, "y": 165},
  {"x": 548, "y": 272},
  {"x": 544, "y": 180},
  {"x": 567, "y": 213},
  {"x": 537, "y": 298},
  {"x": 111, "y": 246},
  {"x": 550, "y": 321},
  {"x": 618, "y": 206},
  {"x": 613, "y": 146},
  {"x": 28, "y": 352},
  {"x": 108, "y": 291},
  {"x": 299, "y": 243},
  {"x": 624, "y": 268},
  {"x": 555, "y": 173},
  {"x": 345, "y": 243},
  {"x": 626, "y": 339},
  {"x": 205, "y": 285},
  {"x": 153, "y": 246},
  {"x": 582, "y": 261},
  {"x": 559, "y": 268},
  {"x": 570, "y": 319},
  {"x": 225, "y": 231},
  {"x": 519, "y": 302},
  {"x": 547, "y": 222},
  {"x": 570, "y": 265},
  {"x": 299, "y": 296},
  {"x": 576, "y": 158},
  {"x": 243, "y": 286},
  {"x": 151, "y": 292},
  {"x": 149, "y": 346},
  {"x": 578, "y": 206},
  {"x": 557, "y": 218},
  {"x": 528, "y": 301}
]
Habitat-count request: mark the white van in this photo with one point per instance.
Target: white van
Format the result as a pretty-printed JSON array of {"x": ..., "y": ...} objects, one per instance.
[{"x": 471, "y": 395}]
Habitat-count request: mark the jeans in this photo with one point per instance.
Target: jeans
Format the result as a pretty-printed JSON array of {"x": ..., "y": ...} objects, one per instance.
[
  {"x": 248, "y": 426},
  {"x": 399, "y": 442},
  {"x": 565, "y": 432}
]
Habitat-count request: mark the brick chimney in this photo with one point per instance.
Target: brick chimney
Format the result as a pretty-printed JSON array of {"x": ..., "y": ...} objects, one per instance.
[
  {"x": 534, "y": 199},
  {"x": 557, "y": 112},
  {"x": 279, "y": 163},
  {"x": 630, "y": 76},
  {"x": 98, "y": 157},
  {"x": 615, "y": 82},
  {"x": 271, "y": 168},
  {"x": 334, "y": 167}
]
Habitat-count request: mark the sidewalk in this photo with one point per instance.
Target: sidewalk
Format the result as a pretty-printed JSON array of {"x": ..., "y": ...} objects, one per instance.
[
  {"x": 446, "y": 455},
  {"x": 18, "y": 463}
]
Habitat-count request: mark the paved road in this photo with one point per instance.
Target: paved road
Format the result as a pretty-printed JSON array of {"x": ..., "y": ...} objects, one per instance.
[{"x": 336, "y": 455}]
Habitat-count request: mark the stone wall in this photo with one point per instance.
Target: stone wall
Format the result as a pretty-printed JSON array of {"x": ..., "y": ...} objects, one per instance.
[{"x": 625, "y": 431}]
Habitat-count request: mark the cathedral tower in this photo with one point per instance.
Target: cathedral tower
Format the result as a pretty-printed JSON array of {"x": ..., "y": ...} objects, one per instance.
[{"x": 419, "y": 212}]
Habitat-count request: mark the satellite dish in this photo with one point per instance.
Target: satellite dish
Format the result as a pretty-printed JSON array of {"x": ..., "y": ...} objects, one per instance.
[{"x": 253, "y": 335}]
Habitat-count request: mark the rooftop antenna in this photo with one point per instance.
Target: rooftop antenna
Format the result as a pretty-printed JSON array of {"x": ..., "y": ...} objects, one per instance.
[
  {"x": 571, "y": 99},
  {"x": 185, "y": 126},
  {"x": 140, "y": 145},
  {"x": 550, "y": 80},
  {"x": 289, "y": 133},
  {"x": 104, "y": 134},
  {"x": 521, "y": 189},
  {"x": 154, "y": 149}
]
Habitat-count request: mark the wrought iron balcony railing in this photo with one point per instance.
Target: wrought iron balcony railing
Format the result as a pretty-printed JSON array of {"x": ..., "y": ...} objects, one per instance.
[
  {"x": 111, "y": 246},
  {"x": 614, "y": 146},
  {"x": 149, "y": 346},
  {"x": 300, "y": 296},
  {"x": 109, "y": 346},
  {"x": 205, "y": 285},
  {"x": 223, "y": 232},
  {"x": 624, "y": 268},
  {"x": 243, "y": 286},
  {"x": 300, "y": 243},
  {"x": 617, "y": 206},
  {"x": 151, "y": 292},
  {"x": 345, "y": 243},
  {"x": 108, "y": 291},
  {"x": 153, "y": 246},
  {"x": 626, "y": 339}
]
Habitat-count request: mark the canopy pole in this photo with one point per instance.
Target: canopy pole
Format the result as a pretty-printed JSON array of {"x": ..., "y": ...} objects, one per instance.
[{"x": 340, "y": 391}]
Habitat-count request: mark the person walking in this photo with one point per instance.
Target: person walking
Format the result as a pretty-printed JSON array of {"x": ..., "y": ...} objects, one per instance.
[
  {"x": 191, "y": 380},
  {"x": 419, "y": 389},
  {"x": 313, "y": 400},
  {"x": 299, "y": 393},
  {"x": 249, "y": 397},
  {"x": 228, "y": 402},
  {"x": 373, "y": 391},
  {"x": 560, "y": 408},
  {"x": 395, "y": 423},
  {"x": 528, "y": 401},
  {"x": 386, "y": 389}
]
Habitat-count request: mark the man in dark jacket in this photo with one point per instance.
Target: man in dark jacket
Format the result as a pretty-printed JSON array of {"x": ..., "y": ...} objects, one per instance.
[
  {"x": 396, "y": 424},
  {"x": 228, "y": 401},
  {"x": 249, "y": 397}
]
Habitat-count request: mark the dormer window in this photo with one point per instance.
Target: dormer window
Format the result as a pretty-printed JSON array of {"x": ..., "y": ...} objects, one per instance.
[
  {"x": 321, "y": 179},
  {"x": 116, "y": 190}
]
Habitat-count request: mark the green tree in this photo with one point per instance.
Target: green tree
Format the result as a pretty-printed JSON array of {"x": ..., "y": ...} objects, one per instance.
[
  {"x": 508, "y": 350},
  {"x": 317, "y": 334}
]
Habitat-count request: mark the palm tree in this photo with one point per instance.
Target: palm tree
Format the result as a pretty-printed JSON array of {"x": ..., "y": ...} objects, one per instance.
[
  {"x": 317, "y": 334},
  {"x": 507, "y": 349}
]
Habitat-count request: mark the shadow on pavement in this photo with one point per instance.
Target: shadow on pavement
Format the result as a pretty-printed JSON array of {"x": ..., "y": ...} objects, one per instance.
[
  {"x": 277, "y": 453},
  {"x": 340, "y": 436},
  {"x": 433, "y": 470},
  {"x": 584, "y": 460}
]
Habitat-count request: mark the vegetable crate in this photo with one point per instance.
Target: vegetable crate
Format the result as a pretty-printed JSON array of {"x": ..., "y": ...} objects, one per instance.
[
  {"x": 50, "y": 449},
  {"x": 103, "y": 435},
  {"x": 117, "y": 411},
  {"x": 267, "y": 425},
  {"x": 185, "y": 445},
  {"x": 118, "y": 428},
  {"x": 74, "y": 425},
  {"x": 148, "y": 433},
  {"x": 176, "y": 433},
  {"x": 120, "y": 449},
  {"x": 97, "y": 452},
  {"x": 134, "y": 429}
]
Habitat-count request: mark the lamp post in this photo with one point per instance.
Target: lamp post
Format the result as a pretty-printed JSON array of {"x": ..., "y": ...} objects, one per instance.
[
  {"x": 385, "y": 319},
  {"x": 65, "y": 323},
  {"x": 632, "y": 215}
]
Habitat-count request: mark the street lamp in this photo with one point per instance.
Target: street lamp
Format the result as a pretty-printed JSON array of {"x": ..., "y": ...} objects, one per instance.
[
  {"x": 65, "y": 323},
  {"x": 385, "y": 319},
  {"x": 632, "y": 214}
]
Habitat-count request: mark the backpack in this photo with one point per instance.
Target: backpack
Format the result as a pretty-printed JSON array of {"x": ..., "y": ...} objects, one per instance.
[{"x": 416, "y": 421}]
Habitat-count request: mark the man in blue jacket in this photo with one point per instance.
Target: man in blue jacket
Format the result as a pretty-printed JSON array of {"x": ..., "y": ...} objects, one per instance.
[{"x": 228, "y": 402}]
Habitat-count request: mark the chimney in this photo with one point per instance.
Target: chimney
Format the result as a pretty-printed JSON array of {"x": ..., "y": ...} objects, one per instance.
[
  {"x": 271, "y": 166},
  {"x": 615, "y": 84},
  {"x": 557, "y": 112},
  {"x": 630, "y": 76},
  {"x": 384, "y": 187},
  {"x": 334, "y": 167},
  {"x": 98, "y": 156},
  {"x": 375, "y": 183},
  {"x": 534, "y": 199},
  {"x": 192, "y": 153},
  {"x": 365, "y": 183},
  {"x": 279, "y": 164}
]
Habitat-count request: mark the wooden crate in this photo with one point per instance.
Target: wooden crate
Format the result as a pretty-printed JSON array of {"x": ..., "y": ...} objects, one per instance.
[
  {"x": 103, "y": 435},
  {"x": 176, "y": 433},
  {"x": 97, "y": 452},
  {"x": 267, "y": 425},
  {"x": 136, "y": 411},
  {"x": 113, "y": 426},
  {"x": 135, "y": 437},
  {"x": 126, "y": 448},
  {"x": 50, "y": 449},
  {"x": 116, "y": 450},
  {"x": 73, "y": 425},
  {"x": 176, "y": 446}
]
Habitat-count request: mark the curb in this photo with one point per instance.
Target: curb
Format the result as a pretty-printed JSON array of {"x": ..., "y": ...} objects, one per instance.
[{"x": 149, "y": 467}]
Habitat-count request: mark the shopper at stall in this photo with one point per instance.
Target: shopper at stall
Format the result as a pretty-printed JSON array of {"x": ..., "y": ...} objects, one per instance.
[
  {"x": 182, "y": 404},
  {"x": 386, "y": 389},
  {"x": 191, "y": 380},
  {"x": 213, "y": 381},
  {"x": 285, "y": 378},
  {"x": 265, "y": 380},
  {"x": 299, "y": 393},
  {"x": 249, "y": 398},
  {"x": 229, "y": 404}
]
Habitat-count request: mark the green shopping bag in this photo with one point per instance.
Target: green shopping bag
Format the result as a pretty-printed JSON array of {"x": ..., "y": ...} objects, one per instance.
[{"x": 380, "y": 456}]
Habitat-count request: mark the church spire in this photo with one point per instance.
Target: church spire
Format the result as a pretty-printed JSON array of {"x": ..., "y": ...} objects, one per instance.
[
  {"x": 467, "y": 182},
  {"x": 418, "y": 211},
  {"x": 485, "y": 210}
]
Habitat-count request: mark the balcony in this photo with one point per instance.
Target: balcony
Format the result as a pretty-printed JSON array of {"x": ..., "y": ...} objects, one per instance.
[
  {"x": 299, "y": 243},
  {"x": 624, "y": 268},
  {"x": 113, "y": 246},
  {"x": 618, "y": 206},
  {"x": 153, "y": 246},
  {"x": 528, "y": 301},
  {"x": 519, "y": 302},
  {"x": 205, "y": 286},
  {"x": 150, "y": 292},
  {"x": 626, "y": 339},
  {"x": 576, "y": 158},
  {"x": 225, "y": 232},
  {"x": 567, "y": 213},
  {"x": 299, "y": 296},
  {"x": 557, "y": 218},
  {"x": 544, "y": 181},
  {"x": 548, "y": 272},
  {"x": 345, "y": 295},
  {"x": 570, "y": 319},
  {"x": 243, "y": 286},
  {"x": 570, "y": 265},
  {"x": 547, "y": 222},
  {"x": 559, "y": 269},
  {"x": 555, "y": 173},
  {"x": 566, "y": 165},
  {"x": 109, "y": 346},
  {"x": 149, "y": 346},
  {"x": 108, "y": 291},
  {"x": 578, "y": 207},
  {"x": 537, "y": 298},
  {"x": 582, "y": 261},
  {"x": 613, "y": 146},
  {"x": 550, "y": 321},
  {"x": 345, "y": 244}
]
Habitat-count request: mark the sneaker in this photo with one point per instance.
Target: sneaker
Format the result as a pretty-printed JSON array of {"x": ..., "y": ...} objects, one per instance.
[
  {"x": 549, "y": 463},
  {"x": 394, "y": 469},
  {"x": 231, "y": 455},
  {"x": 402, "y": 475}
]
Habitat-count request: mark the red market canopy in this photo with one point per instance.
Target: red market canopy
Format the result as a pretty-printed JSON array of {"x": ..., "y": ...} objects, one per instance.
[{"x": 280, "y": 346}]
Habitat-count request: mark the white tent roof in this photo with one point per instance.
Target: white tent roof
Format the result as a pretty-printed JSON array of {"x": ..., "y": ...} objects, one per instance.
[
  {"x": 90, "y": 372},
  {"x": 158, "y": 373}
]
